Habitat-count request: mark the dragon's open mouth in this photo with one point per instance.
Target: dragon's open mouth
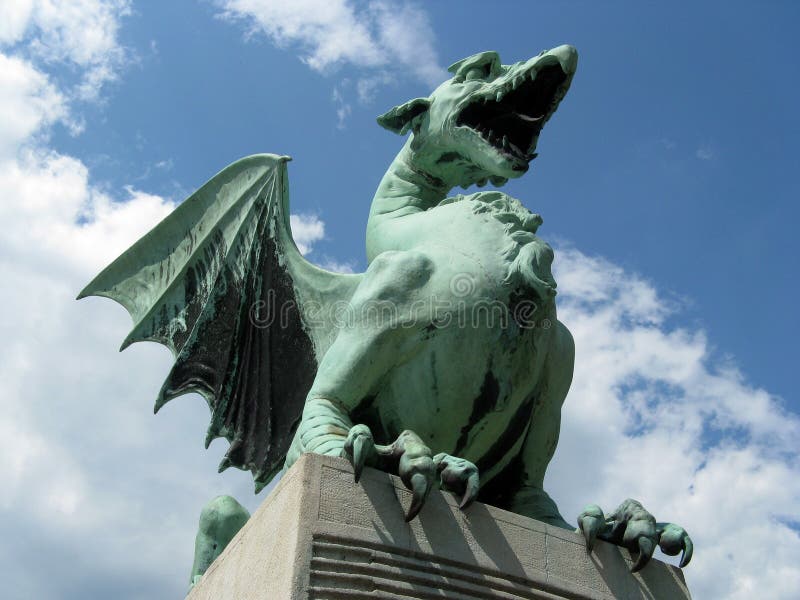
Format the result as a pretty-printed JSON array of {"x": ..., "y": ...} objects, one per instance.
[{"x": 512, "y": 120}]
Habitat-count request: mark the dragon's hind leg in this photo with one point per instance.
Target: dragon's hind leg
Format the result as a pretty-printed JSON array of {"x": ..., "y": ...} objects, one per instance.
[{"x": 635, "y": 528}]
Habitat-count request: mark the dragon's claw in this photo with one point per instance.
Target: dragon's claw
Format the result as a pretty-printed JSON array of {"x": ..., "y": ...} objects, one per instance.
[
  {"x": 412, "y": 461},
  {"x": 646, "y": 548},
  {"x": 419, "y": 484},
  {"x": 591, "y": 521},
  {"x": 358, "y": 446},
  {"x": 458, "y": 476},
  {"x": 673, "y": 540},
  {"x": 633, "y": 527}
]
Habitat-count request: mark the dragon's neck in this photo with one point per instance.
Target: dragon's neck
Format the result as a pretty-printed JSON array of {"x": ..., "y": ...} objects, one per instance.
[{"x": 405, "y": 189}]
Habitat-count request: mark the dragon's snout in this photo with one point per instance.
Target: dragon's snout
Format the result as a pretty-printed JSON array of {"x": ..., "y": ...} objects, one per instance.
[{"x": 567, "y": 57}]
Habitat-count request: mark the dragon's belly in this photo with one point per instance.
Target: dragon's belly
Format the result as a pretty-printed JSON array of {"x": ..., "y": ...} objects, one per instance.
[{"x": 469, "y": 392}]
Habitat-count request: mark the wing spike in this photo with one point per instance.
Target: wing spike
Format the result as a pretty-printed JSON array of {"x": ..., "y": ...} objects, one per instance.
[{"x": 129, "y": 339}]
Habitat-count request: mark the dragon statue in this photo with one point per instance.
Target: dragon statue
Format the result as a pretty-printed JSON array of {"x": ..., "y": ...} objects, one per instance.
[{"x": 443, "y": 363}]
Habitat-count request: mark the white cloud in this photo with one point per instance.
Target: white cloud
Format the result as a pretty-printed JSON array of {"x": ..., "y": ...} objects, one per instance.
[
  {"x": 405, "y": 35},
  {"x": 327, "y": 31},
  {"x": 80, "y": 451},
  {"x": 668, "y": 143},
  {"x": 306, "y": 229},
  {"x": 28, "y": 101},
  {"x": 704, "y": 152},
  {"x": 384, "y": 40},
  {"x": 80, "y": 33},
  {"x": 331, "y": 32},
  {"x": 165, "y": 165},
  {"x": 68, "y": 412},
  {"x": 337, "y": 266},
  {"x": 367, "y": 87},
  {"x": 14, "y": 20},
  {"x": 343, "y": 108},
  {"x": 652, "y": 415},
  {"x": 72, "y": 413}
]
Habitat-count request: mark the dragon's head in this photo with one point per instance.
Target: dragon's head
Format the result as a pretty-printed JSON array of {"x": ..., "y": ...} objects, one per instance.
[{"x": 484, "y": 122}]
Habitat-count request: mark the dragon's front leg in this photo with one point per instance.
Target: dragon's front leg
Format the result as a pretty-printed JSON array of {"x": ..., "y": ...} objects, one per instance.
[
  {"x": 326, "y": 428},
  {"x": 351, "y": 372}
]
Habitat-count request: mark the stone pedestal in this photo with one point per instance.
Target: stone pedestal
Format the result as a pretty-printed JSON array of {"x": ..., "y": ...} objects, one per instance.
[{"x": 319, "y": 535}]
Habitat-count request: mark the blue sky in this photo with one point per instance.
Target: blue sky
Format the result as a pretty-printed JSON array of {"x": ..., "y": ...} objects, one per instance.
[{"x": 667, "y": 182}]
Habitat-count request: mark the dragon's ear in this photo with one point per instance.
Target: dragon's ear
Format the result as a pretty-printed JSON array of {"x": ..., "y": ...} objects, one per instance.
[{"x": 398, "y": 119}]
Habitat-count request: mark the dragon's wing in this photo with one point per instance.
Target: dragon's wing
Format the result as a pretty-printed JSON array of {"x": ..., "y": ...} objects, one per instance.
[{"x": 222, "y": 284}]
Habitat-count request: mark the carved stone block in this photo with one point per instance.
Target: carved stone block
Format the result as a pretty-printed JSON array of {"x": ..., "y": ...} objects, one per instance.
[{"x": 319, "y": 535}]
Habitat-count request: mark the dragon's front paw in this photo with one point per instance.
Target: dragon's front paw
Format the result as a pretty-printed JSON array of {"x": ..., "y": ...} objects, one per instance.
[
  {"x": 634, "y": 528},
  {"x": 412, "y": 461},
  {"x": 458, "y": 476}
]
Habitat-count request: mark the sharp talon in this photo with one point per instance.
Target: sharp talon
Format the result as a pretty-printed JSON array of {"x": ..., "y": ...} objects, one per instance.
[
  {"x": 590, "y": 521},
  {"x": 590, "y": 526},
  {"x": 419, "y": 489},
  {"x": 359, "y": 455},
  {"x": 471, "y": 491},
  {"x": 688, "y": 548},
  {"x": 357, "y": 448},
  {"x": 646, "y": 547},
  {"x": 674, "y": 540}
]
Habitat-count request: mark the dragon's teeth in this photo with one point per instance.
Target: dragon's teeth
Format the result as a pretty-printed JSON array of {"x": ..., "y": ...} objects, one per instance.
[
  {"x": 505, "y": 141},
  {"x": 500, "y": 95}
]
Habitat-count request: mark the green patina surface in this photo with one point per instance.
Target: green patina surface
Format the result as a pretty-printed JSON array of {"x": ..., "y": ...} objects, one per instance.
[
  {"x": 444, "y": 362},
  {"x": 220, "y": 520}
]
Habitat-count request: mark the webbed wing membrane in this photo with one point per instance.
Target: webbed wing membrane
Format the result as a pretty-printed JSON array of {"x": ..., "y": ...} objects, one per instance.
[{"x": 222, "y": 284}]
